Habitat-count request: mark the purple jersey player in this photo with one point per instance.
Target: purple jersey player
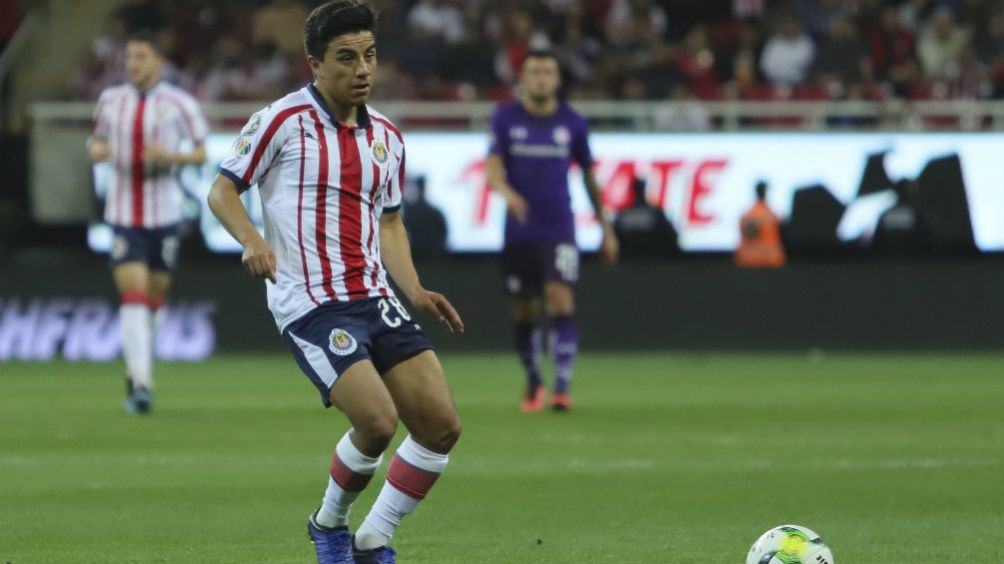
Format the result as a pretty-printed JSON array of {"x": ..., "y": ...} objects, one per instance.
[{"x": 534, "y": 142}]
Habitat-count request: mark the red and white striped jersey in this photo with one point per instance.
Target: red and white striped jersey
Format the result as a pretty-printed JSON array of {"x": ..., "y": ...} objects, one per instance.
[
  {"x": 323, "y": 189},
  {"x": 140, "y": 194}
]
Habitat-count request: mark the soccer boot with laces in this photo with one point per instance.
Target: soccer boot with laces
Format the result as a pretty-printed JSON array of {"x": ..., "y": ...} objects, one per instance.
[
  {"x": 379, "y": 555},
  {"x": 333, "y": 544}
]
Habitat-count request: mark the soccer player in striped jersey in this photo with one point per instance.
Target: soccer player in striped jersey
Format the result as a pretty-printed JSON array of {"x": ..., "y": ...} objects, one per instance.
[
  {"x": 140, "y": 128},
  {"x": 330, "y": 170},
  {"x": 534, "y": 142}
]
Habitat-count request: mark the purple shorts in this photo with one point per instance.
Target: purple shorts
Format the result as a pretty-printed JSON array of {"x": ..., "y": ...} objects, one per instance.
[{"x": 527, "y": 267}]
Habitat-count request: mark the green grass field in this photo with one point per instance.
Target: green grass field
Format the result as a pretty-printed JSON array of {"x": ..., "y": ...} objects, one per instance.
[{"x": 666, "y": 458}]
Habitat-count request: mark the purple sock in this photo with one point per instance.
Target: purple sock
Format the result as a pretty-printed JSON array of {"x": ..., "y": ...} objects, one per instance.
[
  {"x": 564, "y": 345},
  {"x": 528, "y": 347}
]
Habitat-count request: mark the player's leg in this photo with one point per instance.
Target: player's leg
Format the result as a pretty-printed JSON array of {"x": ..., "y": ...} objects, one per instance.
[
  {"x": 161, "y": 265},
  {"x": 522, "y": 267},
  {"x": 333, "y": 352},
  {"x": 528, "y": 339},
  {"x": 132, "y": 279},
  {"x": 425, "y": 405},
  {"x": 559, "y": 296}
]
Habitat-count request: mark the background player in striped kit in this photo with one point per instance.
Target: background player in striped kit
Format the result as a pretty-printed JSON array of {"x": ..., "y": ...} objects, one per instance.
[
  {"x": 141, "y": 127},
  {"x": 330, "y": 171},
  {"x": 534, "y": 142}
]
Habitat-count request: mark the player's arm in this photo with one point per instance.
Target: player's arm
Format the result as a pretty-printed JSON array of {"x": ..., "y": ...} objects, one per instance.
[
  {"x": 155, "y": 153},
  {"x": 495, "y": 174},
  {"x": 225, "y": 202},
  {"x": 609, "y": 246},
  {"x": 98, "y": 147},
  {"x": 395, "y": 250},
  {"x": 99, "y": 150}
]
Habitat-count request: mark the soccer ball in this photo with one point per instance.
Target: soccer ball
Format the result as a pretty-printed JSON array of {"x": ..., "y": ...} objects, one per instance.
[{"x": 789, "y": 544}]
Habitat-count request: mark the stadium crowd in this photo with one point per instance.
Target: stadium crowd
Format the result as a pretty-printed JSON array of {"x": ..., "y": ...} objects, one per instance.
[{"x": 611, "y": 49}]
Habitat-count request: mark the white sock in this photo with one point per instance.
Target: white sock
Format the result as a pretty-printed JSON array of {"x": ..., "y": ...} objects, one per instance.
[
  {"x": 134, "y": 325},
  {"x": 351, "y": 471},
  {"x": 156, "y": 322},
  {"x": 412, "y": 473}
]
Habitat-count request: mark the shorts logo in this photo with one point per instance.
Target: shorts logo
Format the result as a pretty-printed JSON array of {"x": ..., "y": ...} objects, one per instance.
[
  {"x": 119, "y": 248},
  {"x": 342, "y": 343},
  {"x": 252, "y": 126},
  {"x": 380, "y": 154},
  {"x": 243, "y": 146}
]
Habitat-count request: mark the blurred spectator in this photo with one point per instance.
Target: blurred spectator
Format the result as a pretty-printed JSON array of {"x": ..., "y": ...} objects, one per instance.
[
  {"x": 427, "y": 228},
  {"x": 470, "y": 49},
  {"x": 745, "y": 9},
  {"x": 682, "y": 113},
  {"x": 439, "y": 20},
  {"x": 940, "y": 45},
  {"x": 643, "y": 230},
  {"x": 280, "y": 22},
  {"x": 10, "y": 18},
  {"x": 843, "y": 56},
  {"x": 893, "y": 50},
  {"x": 760, "y": 235},
  {"x": 788, "y": 54},
  {"x": 912, "y": 13},
  {"x": 634, "y": 18}
]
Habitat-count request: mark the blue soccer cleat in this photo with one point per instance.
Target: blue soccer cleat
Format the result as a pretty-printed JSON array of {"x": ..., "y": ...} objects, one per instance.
[
  {"x": 333, "y": 544},
  {"x": 381, "y": 555},
  {"x": 143, "y": 400}
]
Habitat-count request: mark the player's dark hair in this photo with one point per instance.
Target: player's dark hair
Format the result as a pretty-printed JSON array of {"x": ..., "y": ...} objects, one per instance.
[
  {"x": 333, "y": 19},
  {"x": 148, "y": 37},
  {"x": 761, "y": 190},
  {"x": 542, "y": 54}
]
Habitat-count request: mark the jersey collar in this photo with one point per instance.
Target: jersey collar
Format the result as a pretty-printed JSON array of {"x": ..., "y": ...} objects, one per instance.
[{"x": 362, "y": 114}]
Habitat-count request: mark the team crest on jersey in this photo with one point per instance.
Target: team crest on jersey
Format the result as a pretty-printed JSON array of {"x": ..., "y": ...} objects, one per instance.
[
  {"x": 342, "y": 343},
  {"x": 252, "y": 126},
  {"x": 518, "y": 132},
  {"x": 562, "y": 136},
  {"x": 243, "y": 146},
  {"x": 380, "y": 153}
]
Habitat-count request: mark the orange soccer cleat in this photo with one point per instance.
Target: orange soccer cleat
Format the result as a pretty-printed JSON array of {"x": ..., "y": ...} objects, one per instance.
[
  {"x": 533, "y": 401},
  {"x": 561, "y": 402}
]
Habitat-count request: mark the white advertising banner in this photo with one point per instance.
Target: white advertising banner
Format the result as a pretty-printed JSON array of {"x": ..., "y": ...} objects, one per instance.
[{"x": 703, "y": 182}]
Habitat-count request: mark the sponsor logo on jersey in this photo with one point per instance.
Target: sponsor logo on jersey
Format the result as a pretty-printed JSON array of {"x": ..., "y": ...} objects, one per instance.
[
  {"x": 518, "y": 132},
  {"x": 243, "y": 146},
  {"x": 252, "y": 126},
  {"x": 562, "y": 136},
  {"x": 380, "y": 153},
  {"x": 342, "y": 343}
]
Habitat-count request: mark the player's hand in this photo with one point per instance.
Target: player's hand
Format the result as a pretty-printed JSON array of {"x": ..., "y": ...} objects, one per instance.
[
  {"x": 610, "y": 247},
  {"x": 517, "y": 206},
  {"x": 436, "y": 304},
  {"x": 259, "y": 260},
  {"x": 156, "y": 155}
]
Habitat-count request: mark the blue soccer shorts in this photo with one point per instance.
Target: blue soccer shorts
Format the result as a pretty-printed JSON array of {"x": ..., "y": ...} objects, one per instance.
[
  {"x": 336, "y": 335},
  {"x": 527, "y": 267},
  {"x": 157, "y": 248}
]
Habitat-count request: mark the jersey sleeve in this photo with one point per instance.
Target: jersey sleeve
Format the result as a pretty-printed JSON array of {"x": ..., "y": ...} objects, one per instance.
[
  {"x": 499, "y": 135},
  {"x": 580, "y": 145},
  {"x": 102, "y": 121},
  {"x": 252, "y": 153},
  {"x": 392, "y": 199},
  {"x": 196, "y": 126}
]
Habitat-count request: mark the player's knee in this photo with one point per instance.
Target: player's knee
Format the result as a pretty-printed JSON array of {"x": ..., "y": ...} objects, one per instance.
[
  {"x": 442, "y": 436},
  {"x": 377, "y": 428}
]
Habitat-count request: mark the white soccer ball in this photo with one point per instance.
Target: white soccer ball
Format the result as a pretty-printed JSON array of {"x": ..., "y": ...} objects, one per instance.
[{"x": 789, "y": 544}]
